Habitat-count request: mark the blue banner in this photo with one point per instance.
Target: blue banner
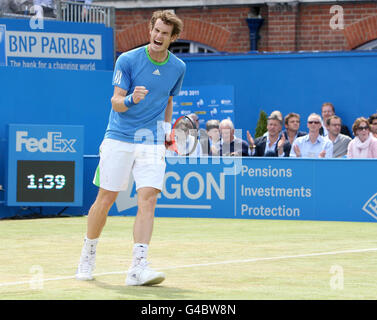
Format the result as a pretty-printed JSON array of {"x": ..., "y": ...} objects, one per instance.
[
  {"x": 265, "y": 188},
  {"x": 3, "y": 60},
  {"x": 45, "y": 165},
  {"x": 55, "y": 45},
  {"x": 208, "y": 102}
]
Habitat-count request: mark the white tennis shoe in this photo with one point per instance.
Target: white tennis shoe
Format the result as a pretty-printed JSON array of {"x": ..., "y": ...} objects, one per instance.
[
  {"x": 142, "y": 275},
  {"x": 86, "y": 266}
]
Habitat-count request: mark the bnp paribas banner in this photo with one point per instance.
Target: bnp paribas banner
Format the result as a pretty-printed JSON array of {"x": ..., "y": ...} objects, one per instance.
[
  {"x": 264, "y": 188},
  {"x": 46, "y": 44}
]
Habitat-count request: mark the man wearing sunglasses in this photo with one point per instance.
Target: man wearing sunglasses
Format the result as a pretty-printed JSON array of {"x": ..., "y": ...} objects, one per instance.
[{"x": 313, "y": 145}]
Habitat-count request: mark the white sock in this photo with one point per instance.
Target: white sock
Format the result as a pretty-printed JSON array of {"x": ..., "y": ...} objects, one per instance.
[
  {"x": 139, "y": 253},
  {"x": 90, "y": 245}
]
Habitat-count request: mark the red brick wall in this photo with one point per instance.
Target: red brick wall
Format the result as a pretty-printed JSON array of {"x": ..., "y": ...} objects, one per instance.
[
  {"x": 224, "y": 29},
  {"x": 314, "y": 29},
  {"x": 285, "y": 28}
]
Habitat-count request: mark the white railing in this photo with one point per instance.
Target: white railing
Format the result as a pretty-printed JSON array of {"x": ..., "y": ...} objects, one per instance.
[
  {"x": 65, "y": 11},
  {"x": 80, "y": 12}
]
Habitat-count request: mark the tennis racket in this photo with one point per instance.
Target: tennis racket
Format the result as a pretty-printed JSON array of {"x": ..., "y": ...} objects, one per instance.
[{"x": 183, "y": 137}]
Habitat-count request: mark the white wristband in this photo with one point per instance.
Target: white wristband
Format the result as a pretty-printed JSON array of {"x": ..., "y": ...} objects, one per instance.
[{"x": 167, "y": 127}]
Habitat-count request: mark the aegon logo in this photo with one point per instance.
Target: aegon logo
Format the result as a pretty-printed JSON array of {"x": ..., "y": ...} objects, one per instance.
[
  {"x": 204, "y": 185},
  {"x": 370, "y": 207},
  {"x": 176, "y": 188},
  {"x": 53, "y": 143}
]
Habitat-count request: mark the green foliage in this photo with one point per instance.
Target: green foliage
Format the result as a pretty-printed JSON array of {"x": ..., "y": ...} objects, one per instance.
[{"x": 261, "y": 124}]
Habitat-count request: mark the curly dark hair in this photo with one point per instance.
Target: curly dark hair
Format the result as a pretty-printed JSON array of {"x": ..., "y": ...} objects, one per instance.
[{"x": 168, "y": 18}]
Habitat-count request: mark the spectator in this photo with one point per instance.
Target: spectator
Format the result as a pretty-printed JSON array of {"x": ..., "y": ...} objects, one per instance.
[
  {"x": 195, "y": 119},
  {"x": 271, "y": 144},
  {"x": 185, "y": 141},
  {"x": 291, "y": 132},
  {"x": 48, "y": 7},
  {"x": 313, "y": 145},
  {"x": 328, "y": 110},
  {"x": 211, "y": 140},
  {"x": 230, "y": 145},
  {"x": 364, "y": 145},
  {"x": 275, "y": 113},
  {"x": 373, "y": 124},
  {"x": 340, "y": 141}
]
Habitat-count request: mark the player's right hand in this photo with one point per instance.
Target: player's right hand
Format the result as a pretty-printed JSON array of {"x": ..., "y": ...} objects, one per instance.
[
  {"x": 168, "y": 141},
  {"x": 139, "y": 94}
]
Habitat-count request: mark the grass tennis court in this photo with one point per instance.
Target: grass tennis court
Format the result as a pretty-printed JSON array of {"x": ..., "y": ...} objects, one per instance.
[{"x": 202, "y": 258}]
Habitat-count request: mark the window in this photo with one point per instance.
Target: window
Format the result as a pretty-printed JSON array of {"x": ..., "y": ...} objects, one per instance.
[
  {"x": 182, "y": 46},
  {"x": 371, "y": 45}
]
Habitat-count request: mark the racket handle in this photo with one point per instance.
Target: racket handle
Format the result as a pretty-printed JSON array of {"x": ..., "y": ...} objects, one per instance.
[{"x": 168, "y": 143}]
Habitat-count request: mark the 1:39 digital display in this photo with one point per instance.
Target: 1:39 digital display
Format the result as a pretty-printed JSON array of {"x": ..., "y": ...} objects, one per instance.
[
  {"x": 48, "y": 181},
  {"x": 45, "y": 181}
]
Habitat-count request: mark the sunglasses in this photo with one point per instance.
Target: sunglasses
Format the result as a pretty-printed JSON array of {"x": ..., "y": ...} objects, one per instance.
[
  {"x": 316, "y": 122},
  {"x": 363, "y": 128}
]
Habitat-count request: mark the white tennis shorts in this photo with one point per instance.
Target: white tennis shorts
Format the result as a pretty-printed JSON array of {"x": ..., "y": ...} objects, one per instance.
[{"x": 119, "y": 159}]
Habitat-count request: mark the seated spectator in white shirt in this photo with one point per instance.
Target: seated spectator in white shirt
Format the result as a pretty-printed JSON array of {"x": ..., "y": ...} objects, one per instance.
[
  {"x": 313, "y": 145},
  {"x": 340, "y": 141}
]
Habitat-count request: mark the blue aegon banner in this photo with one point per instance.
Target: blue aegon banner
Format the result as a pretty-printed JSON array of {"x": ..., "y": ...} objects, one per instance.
[
  {"x": 265, "y": 188},
  {"x": 55, "y": 45}
]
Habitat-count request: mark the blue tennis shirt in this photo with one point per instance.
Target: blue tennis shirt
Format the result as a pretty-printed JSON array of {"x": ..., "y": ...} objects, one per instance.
[{"x": 142, "y": 123}]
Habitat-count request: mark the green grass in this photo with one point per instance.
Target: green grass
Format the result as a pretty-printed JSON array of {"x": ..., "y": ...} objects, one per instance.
[{"x": 202, "y": 258}]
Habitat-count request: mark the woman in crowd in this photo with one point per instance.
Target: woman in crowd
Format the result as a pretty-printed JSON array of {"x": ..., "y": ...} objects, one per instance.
[{"x": 364, "y": 145}]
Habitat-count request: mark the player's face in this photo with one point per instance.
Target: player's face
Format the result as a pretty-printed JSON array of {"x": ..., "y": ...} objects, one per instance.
[{"x": 160, "y": 36}]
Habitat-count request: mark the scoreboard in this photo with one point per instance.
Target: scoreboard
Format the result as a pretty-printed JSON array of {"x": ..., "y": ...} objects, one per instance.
[{"x": 45, "y": 165}]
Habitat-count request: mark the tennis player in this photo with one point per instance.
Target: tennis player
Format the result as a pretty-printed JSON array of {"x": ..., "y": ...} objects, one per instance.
[{"x": 145, "y": 80}]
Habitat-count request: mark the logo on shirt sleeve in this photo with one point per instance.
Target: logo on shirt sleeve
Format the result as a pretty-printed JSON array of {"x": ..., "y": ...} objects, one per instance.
[{"x": 117, "y": 77}]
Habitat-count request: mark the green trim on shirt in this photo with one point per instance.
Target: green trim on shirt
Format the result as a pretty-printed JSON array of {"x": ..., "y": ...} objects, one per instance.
[{"x": 155, "y": 62}]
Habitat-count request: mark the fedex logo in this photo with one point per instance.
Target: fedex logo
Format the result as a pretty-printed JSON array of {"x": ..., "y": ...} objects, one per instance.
[{"x": 52, "y": 143}]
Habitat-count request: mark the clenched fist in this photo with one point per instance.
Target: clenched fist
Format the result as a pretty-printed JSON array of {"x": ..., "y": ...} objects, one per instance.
[{"x": 139, "y": 94}]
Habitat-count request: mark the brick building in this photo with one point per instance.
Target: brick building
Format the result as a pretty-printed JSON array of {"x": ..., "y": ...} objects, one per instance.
[{"x": 221, "y": 25}]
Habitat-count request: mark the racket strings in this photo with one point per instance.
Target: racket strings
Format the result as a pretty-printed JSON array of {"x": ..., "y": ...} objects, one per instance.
[{"x": 185, "y": 136}]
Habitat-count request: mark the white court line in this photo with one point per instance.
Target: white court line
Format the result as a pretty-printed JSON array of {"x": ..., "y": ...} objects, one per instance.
[{"x": 5, "y": 284}]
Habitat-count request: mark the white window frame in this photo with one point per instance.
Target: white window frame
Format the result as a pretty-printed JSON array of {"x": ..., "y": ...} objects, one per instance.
[
  {"x": 371, "y": 45},
  {"x": 193, "y": 47}
]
